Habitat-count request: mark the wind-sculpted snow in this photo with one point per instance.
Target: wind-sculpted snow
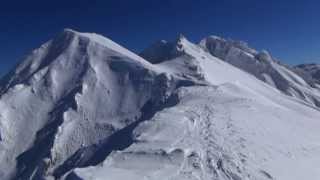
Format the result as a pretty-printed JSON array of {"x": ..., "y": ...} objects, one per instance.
[{"x": 82, "y": 106}]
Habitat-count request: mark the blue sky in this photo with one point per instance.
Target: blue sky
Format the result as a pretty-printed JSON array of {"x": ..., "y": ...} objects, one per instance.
[{"x": 288, "y": 29}]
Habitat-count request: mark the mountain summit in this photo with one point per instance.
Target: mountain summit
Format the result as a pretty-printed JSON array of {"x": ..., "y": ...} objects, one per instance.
[{"x": 83, "y": 107}]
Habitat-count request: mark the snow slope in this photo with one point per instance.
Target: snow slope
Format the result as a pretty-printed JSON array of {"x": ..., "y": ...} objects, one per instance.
[
  {"x": 82, "y": 106},
  {"x": 73, "y": 92},
  {"x": 236, "y": 127},
  {"x": 263, "y": 66},
  {"x": 220, "y": 133}
]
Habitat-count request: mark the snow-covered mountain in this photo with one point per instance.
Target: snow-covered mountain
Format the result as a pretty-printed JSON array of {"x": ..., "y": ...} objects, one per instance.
[
  {"x": 310, "y": 70},
  {"x": 83, "y": 107},
  {"x": 264, "y": 67},
  {"x": 70, "y": 95}
]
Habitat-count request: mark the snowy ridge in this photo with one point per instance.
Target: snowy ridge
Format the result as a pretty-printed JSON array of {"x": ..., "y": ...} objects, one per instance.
[
  {"x": 263, "y": 66},
  {"x": 83, "y": 107},
  {"x": 310, "y": 72},
  {"x": 163, "y": 50},
  {"x": 220, "y": 152}
]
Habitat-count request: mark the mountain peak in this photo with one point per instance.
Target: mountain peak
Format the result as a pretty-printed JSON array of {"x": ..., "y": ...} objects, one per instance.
[
  {"x": 264, "y": 56},
  {"x": 99, "y": 40},
  {"x": 93, "y": 37},
  {"x": 67, "y": 33},
  {"x": 214, "y": 37},
  {"x": 312, "y": 70},
  {"x": 67, "y": 47},
  {"x": 68, "y": 30},
  {"x": 181, "y": 37},
  {"x": 214, "y": 42},
  {"x": 164, "y": 50}
]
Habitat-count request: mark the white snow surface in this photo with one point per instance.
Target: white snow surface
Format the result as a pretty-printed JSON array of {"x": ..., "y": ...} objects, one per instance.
[
  {"x": 198, "y": 117},
  {"x": 222, "y": 133},
  {"x": 83, "y": 87},
  {"x": 264, "y": 67}
]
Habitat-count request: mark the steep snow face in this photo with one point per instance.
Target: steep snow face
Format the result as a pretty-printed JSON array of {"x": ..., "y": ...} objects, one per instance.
[
  {"x": 73, "y": 92},
  {"x": 262, "y": 66}
]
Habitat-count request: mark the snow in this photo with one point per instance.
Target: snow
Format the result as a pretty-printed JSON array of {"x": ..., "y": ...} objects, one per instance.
[
  {"x": 240, "y": 128},
  {"x": 51, "y": 81},
  {"x": 263, "y": 66},
  {"x": 106, "y": 43},
  {"x": 311, "y": 70},
  {"x": 210, "y": 125},
  {"x": 82, "y": 105}
]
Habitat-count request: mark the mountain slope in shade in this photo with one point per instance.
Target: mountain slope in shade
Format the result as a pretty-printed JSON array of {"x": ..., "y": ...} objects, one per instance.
[{"x": 82, "y": 106}]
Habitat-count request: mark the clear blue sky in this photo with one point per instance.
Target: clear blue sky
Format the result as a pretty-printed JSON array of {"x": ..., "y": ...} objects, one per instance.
[{"x": 288, "y": 29}]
